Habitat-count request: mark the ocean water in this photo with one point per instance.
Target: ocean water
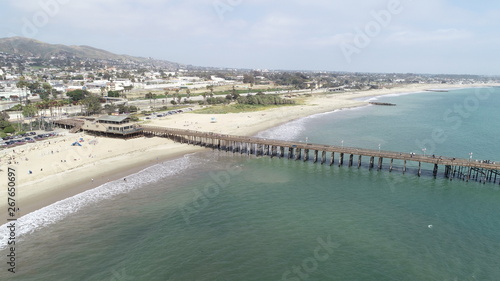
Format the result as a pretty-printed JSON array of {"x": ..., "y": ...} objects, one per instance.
[{"x": 218, "y": 216}]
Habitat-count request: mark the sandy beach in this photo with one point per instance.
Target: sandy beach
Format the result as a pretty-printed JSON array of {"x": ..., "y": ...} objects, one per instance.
[{"x": 53, "y": 169}]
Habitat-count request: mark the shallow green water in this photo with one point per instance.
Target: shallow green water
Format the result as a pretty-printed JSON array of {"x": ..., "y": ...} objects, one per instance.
[{"x": 215, "y": 216}]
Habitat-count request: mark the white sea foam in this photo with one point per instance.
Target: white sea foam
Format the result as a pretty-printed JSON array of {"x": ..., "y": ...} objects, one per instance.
[
  {"x": 56, "y": 212},
  {"x": 288, "y": 132},
  {"x": 292, "y": 130},
  {"x": 389, "y": 95}
]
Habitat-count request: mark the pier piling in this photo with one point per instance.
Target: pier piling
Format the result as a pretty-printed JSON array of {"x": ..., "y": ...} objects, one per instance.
[{"x": 464, "y": 169}]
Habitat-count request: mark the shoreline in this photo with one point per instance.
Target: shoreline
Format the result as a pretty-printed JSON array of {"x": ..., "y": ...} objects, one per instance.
[{"x": 78, "y": 172}]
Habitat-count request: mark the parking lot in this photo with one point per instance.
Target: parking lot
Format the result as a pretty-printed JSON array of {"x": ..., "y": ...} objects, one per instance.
[
  {"x": 11, "y": 141},
  {"x": 167, "y": 113}
]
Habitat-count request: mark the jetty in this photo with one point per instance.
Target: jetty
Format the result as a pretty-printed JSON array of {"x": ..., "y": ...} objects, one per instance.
[
  {"x": 453, "y": 168},
  {"x": 437, "y": 90},
  {"x": 383, "y": 103}
]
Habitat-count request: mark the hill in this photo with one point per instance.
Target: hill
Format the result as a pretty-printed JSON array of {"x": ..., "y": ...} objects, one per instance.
[{"x": 33, "y": 48}]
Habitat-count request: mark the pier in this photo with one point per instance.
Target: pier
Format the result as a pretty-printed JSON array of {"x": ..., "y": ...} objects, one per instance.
[{"x": 452, "y": 168}]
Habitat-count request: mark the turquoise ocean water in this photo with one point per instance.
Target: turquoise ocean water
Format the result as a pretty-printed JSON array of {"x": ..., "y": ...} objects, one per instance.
[{"x": 215, "y": 216}]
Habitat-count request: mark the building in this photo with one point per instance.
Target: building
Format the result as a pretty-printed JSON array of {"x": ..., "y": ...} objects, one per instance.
[{"x": 111, "y": 125}]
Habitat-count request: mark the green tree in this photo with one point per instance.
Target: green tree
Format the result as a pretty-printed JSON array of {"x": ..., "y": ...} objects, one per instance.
[
  {"x": 248, "y": 79},
  {"x": 166, "y": 97},
  {"x": 234, "y": 94},
  {"x": 4, "y": 116},
  {"x": 211, "y": 88},
  {"x": 133, "y": 108},
  {"x": 4, "y": 120},
  {"x": 106, "y": 76},
  {"x": 9, "y": 130},
  {"x": 78, "y": 95},
  {"x": 30, "y": 111},
  {"x": 110, "y": 108},
  {"x": 47, "y": 87},
  {"x": 55, "y": 93},
  {"x": 113, "y": 94},
  {"x": 34, "y": 87},
  {"x": 92, "y": 104},
  {"x": 44, "y": 96},
  {"x": 22, "y": 84},
  {"x": 204, "y": 94}
]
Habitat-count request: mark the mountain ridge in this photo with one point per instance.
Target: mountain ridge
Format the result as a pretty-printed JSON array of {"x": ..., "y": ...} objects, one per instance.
[{"x": 35, "y": 48}]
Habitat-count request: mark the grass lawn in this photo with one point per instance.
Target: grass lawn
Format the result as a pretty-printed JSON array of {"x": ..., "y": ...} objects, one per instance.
[{"x": 237, "y": 108}]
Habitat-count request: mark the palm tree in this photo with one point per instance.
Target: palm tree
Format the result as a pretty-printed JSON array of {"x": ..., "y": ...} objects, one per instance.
[
  {"x": 52, "y": 104},
  {"x": 58, "y": 105},
  {"x": 211, "y": 88},
  {"x": 177, "y": 95},
  {"x": 166, "y": 98},
  {"x": 22, "y": 84},
  {"x": 205, "y": 94}
]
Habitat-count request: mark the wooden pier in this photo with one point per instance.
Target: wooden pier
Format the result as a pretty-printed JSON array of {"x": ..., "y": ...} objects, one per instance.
[{"x": 454, "y": 168}]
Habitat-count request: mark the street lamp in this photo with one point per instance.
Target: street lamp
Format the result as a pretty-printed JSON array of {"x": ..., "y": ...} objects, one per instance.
[
  {"x": 306, "y": 139},
  {"x": 470, "y": 158},
  {"x": 342, "y": 143},
  {"x": 379, "y": 148},
  {"x": 424, "y": 150}
]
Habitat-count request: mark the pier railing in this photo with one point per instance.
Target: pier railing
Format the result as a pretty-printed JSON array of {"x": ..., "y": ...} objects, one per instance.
[{"x": 454, "y": 167}]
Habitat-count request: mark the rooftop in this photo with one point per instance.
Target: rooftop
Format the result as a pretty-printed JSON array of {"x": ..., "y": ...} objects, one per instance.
[{"x": 113, "y": 118}]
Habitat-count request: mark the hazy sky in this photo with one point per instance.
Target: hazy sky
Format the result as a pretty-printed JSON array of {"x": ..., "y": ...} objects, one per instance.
[{"x": 421, "y": 36}]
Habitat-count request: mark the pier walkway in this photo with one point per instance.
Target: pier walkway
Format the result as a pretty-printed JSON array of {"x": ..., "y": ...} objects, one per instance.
[{"x": 463, "y": 169}]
